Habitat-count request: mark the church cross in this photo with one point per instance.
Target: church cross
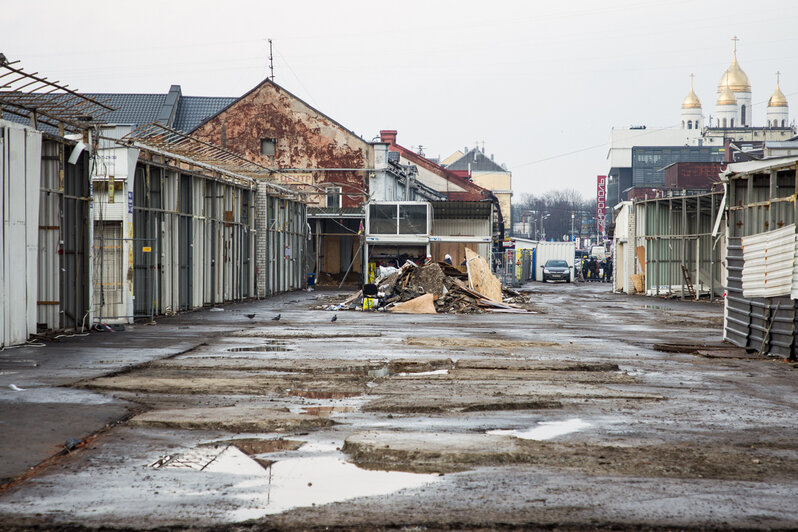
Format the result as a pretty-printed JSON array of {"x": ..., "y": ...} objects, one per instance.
[
  {"x": 735, "y": 39},
  {"x": 778, "y": 77}
]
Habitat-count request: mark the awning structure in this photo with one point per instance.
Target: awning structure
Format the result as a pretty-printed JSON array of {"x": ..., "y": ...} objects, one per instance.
[
  {"x": 163, "y": 140},
  {"x": 42, "y": 101}
]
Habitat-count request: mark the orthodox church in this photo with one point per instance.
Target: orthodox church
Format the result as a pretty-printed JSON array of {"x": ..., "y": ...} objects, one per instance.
[{"x": 733, "y": 107}]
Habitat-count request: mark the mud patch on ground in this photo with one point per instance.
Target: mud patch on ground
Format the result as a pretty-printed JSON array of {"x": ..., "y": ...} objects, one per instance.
[
  {"x": 324, "y": 394},
  {"x": 475, "y": 386},
  {"x": 283, "y": 365},
  {"x": 193, "y": 381},
  {"x": 231, "y": 419},
  {"x": 419, "y": 365},
  {"x": 326, "y": 410},
  {"x": 539, "y": 365},
  {"x": 438, "y": 452},
  {"x": 466, "y": 343}
]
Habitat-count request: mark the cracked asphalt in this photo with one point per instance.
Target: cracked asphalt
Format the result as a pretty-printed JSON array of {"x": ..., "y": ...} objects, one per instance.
[{"x": 569, "y": 417}]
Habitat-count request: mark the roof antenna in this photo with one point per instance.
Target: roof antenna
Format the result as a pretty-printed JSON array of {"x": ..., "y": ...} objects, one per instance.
[{"x": 271, "y": 62}]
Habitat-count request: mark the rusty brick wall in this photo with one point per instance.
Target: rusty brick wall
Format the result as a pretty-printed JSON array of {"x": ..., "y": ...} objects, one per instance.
[{"x": 304, "y": 138}]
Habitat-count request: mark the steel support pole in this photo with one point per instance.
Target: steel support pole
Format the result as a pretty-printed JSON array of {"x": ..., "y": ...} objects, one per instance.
[
  {"x": 712, "y": 251},
  {"x": 697, "y": 280},
  {"x": 683, "y": 251}
]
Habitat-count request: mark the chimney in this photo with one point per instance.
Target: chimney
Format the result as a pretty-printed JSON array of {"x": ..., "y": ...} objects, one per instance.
[
  {"x": 491, "y": 156},
  {"x": 388, "y": 135}
]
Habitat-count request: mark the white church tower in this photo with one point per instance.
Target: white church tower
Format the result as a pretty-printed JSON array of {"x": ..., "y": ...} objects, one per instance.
[
  {"x": 691, "y": 111},
  {"x": 735, "y": 82},
  {"x": 778, "y": 113},
  {"x": 726, "y": 109}
]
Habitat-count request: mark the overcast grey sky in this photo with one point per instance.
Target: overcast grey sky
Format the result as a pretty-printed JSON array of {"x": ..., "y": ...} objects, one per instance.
[{"x": 541, "y": 83}]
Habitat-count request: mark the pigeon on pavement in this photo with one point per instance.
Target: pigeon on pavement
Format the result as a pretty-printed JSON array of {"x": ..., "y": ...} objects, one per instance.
[
  {"x": 250, "y": 316},
  {"x": 335, "y": 317},
  {"x": 277, "y": 317}
]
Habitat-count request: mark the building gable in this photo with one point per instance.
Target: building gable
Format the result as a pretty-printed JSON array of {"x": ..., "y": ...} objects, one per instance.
[{"x": 271, "y": 126}]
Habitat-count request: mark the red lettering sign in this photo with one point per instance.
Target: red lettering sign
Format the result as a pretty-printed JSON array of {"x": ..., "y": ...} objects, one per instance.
[{"x": 601, "y": 205}]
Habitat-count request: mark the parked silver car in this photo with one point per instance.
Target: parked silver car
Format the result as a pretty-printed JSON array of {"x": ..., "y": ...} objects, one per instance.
[{"x": 556, "y": 270}]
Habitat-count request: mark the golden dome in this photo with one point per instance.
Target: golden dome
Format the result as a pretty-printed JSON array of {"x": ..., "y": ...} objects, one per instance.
[
  {"x": 734, "y": 78},
  {"x": 778, "y": 99},
  {"x": 726, "y": 97},
  {"x": 691, "y": 101}
]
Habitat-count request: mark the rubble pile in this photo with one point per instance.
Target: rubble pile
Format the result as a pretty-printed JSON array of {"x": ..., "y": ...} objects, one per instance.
[{"x": 433, "y": 288}]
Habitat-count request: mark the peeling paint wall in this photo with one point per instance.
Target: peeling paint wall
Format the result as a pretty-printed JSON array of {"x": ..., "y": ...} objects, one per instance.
[{"x": 303, "y": 139}]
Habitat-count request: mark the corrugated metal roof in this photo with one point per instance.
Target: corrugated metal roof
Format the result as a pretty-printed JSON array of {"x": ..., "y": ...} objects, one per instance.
[
  {"x": 769, "y": 263},
  {"x": 750, "y": 167}
]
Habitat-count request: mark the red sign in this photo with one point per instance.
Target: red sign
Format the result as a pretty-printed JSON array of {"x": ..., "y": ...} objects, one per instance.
[{"x": 601, "y": 203}]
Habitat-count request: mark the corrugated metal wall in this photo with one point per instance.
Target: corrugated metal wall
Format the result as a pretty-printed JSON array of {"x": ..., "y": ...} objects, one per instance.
[
  {"x": 760, "y": 203},
  {"x": 201, "y": 234},
  {"x": 49, "y": 274},
  {"x": 20, "y": 172},
  {"x": 677, "y": 231},
  {"x": 462, "y": 227}
]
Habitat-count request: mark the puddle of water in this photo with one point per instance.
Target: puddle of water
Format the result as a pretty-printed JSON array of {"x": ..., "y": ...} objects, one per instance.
[
  {"x": 298, "y": 482},
  {"x": 423, "y": 373},
  {"x": 545, "y": 430},
  {"x": 228, "y": 459},
  {"x": 257, "y": 446},
  {"x": 377, "y": 373}
]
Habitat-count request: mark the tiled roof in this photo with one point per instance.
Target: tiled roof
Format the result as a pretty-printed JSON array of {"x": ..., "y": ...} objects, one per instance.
[
  {"x": 478, "y": 163},
  {"x": 135, "y": 109},
  {"x": 194, "y": 110},
  {"x": 142, "y": 109}
]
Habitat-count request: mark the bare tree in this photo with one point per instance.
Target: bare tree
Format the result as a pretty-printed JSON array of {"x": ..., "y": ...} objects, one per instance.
[{"x": 555, "y": 215}]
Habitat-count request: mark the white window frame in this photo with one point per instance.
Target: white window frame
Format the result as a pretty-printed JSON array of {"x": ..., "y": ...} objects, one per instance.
[{"x": 329, "y": 195}]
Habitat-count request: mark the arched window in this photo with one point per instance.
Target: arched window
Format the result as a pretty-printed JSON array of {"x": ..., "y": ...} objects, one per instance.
[
  {"x": 724, "y": 122},
  {"x": 696, "y": 124},
  {"x": 732, "y": 123},
  {"x": 783, "y": 123},
  {"x": 742, "y": 116},
  {"x": 682, "y": 124},
  {"x": 689, "y": 124}
]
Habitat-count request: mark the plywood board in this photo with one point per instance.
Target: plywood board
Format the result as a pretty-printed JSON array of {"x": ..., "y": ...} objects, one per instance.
[
  {"x": 641, "y": 257},
  {"x": 480, "y": 278},
  {"x": 331, "y": 246}
]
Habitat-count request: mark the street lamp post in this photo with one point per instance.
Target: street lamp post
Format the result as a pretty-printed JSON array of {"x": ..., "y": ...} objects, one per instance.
[{"x": 572, "y": 227}]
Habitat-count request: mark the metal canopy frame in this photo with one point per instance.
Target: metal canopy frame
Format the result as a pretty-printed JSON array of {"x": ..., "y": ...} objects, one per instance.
[
  {"x": 48, "y": 102},
  {"x": 171, "y": 143}
]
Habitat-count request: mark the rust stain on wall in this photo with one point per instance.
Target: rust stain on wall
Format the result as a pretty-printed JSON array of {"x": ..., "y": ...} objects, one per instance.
[{"x": 304, "y": 138}]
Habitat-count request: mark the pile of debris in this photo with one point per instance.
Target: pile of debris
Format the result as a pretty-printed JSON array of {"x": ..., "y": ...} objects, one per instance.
[{"x": 437, "y": 287}]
